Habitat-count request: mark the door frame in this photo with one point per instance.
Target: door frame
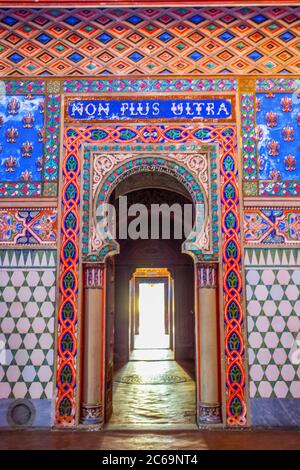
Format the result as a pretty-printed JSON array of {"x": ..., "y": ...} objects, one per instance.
[
  {"x": 142, "y": 275},
  {"x": 231, "y": 285}
]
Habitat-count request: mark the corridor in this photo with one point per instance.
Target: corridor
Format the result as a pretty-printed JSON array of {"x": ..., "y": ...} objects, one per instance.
[{"x": 153, "y": 394}]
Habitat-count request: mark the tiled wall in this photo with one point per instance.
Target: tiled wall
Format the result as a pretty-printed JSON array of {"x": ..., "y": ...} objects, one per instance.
[
  {"x": 278, "y": 132},
  {"x": 192, "y": 42},
  {"x": 27, "y": 318},
  {"x": 270, "y": 132},
  {"x": 270, "y": 226},
  {"x": 29, "y": 139},
  {"x": 22, "y": 129},
  {"x": 149, "y": 41},
  {"x": 273, "y": 318},
  {"x": 28, "y": 226}
]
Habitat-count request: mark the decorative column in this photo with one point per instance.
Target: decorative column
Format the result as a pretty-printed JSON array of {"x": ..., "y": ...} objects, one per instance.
[
  {"x": 92, "y": 408},
  {"x": 209, "y": 409}
]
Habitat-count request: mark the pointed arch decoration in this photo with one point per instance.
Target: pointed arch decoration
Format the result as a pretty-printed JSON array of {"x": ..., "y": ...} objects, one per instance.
[{"x": 199, "y": 242}]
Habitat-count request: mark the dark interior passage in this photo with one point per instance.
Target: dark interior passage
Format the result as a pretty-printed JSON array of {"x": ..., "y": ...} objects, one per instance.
[{"x": 150, "y": 384}]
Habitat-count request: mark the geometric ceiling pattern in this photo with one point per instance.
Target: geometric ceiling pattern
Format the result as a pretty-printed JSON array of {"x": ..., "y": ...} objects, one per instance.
[{"x": 233, "y": 40}]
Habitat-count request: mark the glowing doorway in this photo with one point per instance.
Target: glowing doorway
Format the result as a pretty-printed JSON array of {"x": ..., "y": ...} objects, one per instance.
[
  {"x": 151, "y": 314},
  {"x": 151, "y": 308},
  {"x": 152, "y": 387}
]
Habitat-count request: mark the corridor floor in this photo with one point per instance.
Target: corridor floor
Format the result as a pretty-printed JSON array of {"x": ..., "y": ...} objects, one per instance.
[
  {"x": 153, "y": 394},
  {"x": 163, "y": 440}
]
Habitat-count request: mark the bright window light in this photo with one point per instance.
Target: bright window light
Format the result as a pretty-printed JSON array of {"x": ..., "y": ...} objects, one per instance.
[{"x": 152, "y": 317}]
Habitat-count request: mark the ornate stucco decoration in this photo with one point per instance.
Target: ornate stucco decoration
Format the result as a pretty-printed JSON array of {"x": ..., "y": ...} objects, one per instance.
[{"x": 108, "y": 169}]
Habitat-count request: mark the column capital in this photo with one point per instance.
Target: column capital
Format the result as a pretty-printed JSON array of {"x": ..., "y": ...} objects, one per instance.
[
  {"x": 207, "y": 275},
  {"x": 91, "y": 414},
  {"x": 209, "y": 414},
  {"x": 93, "y": 275}
]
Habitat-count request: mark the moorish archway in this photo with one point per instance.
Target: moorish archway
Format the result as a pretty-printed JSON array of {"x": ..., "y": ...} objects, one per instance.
[
  {"x": 207, "y": 363},
  {"x": 89, "y": 140}
]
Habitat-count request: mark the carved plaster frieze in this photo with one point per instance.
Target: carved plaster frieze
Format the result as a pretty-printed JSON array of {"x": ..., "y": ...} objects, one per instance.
[{"x": 196, "y": 163}]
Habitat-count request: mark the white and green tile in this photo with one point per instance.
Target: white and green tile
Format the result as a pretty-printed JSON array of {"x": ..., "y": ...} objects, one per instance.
[
  {"x": 273, "y": 319},
  {"x": 27, "y": 313}
]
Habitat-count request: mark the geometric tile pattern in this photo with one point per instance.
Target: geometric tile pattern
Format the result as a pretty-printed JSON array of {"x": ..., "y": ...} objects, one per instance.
[
  {"x": 29, "y": 139},
  {"x": 248, "y": 149},
  {"x": 281, "y": 85},
  {"x": 150, "y": 41},
  {"x": 25, "y": 87},
  {"x": 273, "y": 319},
  {"x": 154, "y": 85},
  {"x": 28, "y": 226},
  {"x": 271, "y": 226},
  {"x": 27, "y": 312}
]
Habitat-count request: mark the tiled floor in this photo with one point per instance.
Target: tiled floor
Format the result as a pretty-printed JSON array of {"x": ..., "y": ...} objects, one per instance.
[{"x": 153, "y": 394}]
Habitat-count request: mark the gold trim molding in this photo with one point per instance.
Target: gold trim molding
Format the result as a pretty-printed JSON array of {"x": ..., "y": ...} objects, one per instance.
[
  {"x": 247, "y": 84},
  {"x": 28, "y": 203}
]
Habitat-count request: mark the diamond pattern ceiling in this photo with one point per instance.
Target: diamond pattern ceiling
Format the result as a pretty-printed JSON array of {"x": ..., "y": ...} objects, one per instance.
[{"x": 149, "y": 41}]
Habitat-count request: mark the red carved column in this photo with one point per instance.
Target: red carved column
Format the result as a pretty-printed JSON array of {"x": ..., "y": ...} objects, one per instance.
[
  {"x": 208, "y": 407},
  {"x": 92, "y": 407}
]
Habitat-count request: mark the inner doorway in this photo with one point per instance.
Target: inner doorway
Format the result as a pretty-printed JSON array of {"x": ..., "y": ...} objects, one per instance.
[
  {"x": 151, "y": 313},
  {"x": 150, "y": 353}
]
